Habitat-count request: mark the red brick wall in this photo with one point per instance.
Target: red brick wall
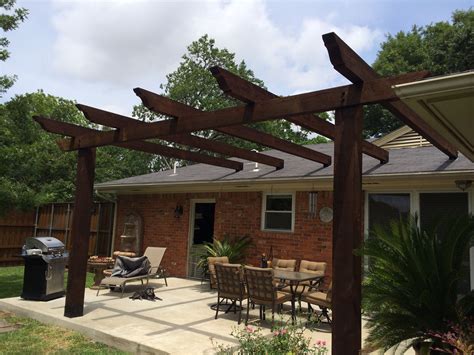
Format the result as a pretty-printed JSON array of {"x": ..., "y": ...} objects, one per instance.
[{"x": 237, "y": 214}]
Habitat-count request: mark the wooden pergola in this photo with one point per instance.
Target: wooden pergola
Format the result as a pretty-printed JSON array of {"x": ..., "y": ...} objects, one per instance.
[{"x": 259, "y": 105}]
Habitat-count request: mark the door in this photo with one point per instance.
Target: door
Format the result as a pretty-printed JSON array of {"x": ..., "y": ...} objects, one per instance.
[{"x": 201, "y": 231}]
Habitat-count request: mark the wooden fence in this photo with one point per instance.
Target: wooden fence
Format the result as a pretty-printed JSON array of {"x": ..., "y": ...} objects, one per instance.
[{"x": 53, "y": 220}]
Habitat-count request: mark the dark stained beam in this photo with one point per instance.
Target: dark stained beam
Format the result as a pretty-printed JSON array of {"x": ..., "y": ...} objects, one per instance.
[
  {"x": 188, "y": 139},
  {"x": 67, "y": 129},
  {"x": 162, "y": 105},
  {"x": 353, "y": 67},
  {"x": 317, "y": 101},
  {"x": 80, "y": 232},
  {"x": 347, "y": 232},
  {"x": 248, "y": 92}
]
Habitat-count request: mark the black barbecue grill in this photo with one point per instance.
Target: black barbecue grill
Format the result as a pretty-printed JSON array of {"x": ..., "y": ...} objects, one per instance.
[{"x": 45, "y": 261}]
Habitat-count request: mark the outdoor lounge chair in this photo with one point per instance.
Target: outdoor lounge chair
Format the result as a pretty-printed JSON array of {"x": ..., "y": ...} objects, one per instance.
[
  {"x": 230, "y": 286},
  {"x": 154, "y": 255},
  {"x": 320, "y": 299},
  {"x": 262, "y": 291}
]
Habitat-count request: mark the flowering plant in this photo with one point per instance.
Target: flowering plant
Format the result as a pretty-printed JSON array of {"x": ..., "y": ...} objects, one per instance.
[
  {"x": 282, "y": 340},
  {"x": 459, "y": 339}
]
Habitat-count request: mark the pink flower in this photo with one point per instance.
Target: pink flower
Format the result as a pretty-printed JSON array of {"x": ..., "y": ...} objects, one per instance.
[
  {"x": 249, "y": 329},
  {"x": 318, "y": 343},
  {"x": 324, "y": 342},
  {"x": 283, "y": 331},
  {"x": 276, "y": 333}
]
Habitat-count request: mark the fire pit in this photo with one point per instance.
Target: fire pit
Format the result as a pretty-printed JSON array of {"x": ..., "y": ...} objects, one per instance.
[{"x": 97, "y": 265}]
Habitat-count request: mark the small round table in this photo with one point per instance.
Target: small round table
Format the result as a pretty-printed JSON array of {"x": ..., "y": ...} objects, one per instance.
[{"x": 98, "y": 269}]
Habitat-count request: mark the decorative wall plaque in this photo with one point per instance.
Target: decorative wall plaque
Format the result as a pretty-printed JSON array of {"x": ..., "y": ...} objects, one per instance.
[{"x": 325, "y": 214}]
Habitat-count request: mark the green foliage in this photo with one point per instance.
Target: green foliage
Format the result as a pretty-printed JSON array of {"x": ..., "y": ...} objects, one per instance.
[
  {"x": 33, "y": 170},
  {"x": 193, "y": 84},
  {"x": 442, "y": 48},
  {"x": 233, "y": 248},
  {"x": 283, "y": 340},
  {"x": 10, "y": 19},
  {"x": 410, "y": 289}
]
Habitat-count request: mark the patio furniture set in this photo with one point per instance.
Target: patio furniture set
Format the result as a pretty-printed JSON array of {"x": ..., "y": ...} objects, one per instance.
[{"x": 269, "y": 287}]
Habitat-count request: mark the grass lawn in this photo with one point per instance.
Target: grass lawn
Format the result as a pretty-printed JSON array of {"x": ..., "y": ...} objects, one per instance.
[
  {"x": 11, "y": 279},
  {"x": 33, "y": 337}
]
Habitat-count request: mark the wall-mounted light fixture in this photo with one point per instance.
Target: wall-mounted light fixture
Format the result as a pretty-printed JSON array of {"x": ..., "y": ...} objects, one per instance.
[
  {"x": 313, "y": 202},
  {"x": 178, "y": 211},
  {"x": 463, "y": 184}
]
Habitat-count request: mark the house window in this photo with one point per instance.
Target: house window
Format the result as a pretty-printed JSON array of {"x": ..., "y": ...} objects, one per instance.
[
  {"x": 384, "y": 208},
  {"x": 278, "y": 212}
]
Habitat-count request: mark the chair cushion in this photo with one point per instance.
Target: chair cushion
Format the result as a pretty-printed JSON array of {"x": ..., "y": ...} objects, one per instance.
[{"x": 317, "y": 298}]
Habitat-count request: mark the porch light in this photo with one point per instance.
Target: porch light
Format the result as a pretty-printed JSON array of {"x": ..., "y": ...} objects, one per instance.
[
  {"x": 178, "y": 211},
  {"x": 463, "y": 184}
]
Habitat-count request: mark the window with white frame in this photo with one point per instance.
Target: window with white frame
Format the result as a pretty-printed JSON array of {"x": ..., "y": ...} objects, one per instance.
[{"x": 278, "y": 212}]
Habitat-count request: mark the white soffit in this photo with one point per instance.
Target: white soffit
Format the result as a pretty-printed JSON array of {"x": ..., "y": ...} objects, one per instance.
[{"x": 446, "y": 103}]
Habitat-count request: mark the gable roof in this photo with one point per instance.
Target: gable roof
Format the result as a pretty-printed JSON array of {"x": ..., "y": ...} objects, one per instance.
[
  {"x": 404, "y": 137},
  {"x": 405, "y": 161}
]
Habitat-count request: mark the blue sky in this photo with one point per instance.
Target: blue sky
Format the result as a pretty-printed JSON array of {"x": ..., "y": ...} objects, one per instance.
[{"x": 96, "y": 52}]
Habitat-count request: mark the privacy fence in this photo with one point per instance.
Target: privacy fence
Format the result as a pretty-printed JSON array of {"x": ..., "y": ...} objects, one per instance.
[{"x": 53, "y": 220}]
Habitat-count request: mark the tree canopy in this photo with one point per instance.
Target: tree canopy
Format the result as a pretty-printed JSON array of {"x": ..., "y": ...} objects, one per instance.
[
  {"x": 9, "y": 20},
  {"x": 193, "y": 84},
  {"x": 442, "y": 48},
  {"x": 34, "y": 170}
]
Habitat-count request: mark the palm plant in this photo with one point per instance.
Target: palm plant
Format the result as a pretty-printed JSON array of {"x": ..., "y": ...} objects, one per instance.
[
  {"x": 233, "y": 248},
  {"x": 410, "y": 289}
]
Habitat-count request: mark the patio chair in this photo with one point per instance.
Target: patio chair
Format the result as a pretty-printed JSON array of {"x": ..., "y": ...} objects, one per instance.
[
  {"x": 284, "y": 264},
  {"x": 262, "y": 291},
  {"x": 310, "y": 267},
  {"x": 230, "y": 286},
  {"x": 211, "y": 261},
  {"x": 154, "y": 255},
  {"x": 320, "y": 299}
]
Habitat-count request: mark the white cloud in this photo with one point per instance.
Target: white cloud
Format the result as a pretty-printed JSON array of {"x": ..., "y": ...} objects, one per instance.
[{"x": 127, "y": 43}]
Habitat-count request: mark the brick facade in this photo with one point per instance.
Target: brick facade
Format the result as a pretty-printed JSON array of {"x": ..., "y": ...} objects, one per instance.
[{"x": 237, "y": 214}]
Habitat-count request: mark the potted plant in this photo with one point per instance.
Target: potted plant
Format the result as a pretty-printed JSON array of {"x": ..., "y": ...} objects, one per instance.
[
  {"x": 233, "y": 248},
  {"x": 410, "y": 288}
]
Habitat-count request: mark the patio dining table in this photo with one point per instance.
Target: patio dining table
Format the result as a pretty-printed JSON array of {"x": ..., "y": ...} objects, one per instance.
[{"x": 293, "y": 279}]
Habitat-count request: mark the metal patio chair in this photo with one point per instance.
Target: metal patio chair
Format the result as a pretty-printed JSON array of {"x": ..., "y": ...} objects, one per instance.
[{"x": 230, "y": 286}]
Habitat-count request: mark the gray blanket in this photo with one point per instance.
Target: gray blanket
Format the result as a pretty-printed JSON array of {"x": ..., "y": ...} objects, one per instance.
[{"x": 129, "y": 267}]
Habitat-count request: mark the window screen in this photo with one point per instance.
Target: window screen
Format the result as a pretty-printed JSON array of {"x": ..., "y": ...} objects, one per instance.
[{"x": 278, "y": 212}]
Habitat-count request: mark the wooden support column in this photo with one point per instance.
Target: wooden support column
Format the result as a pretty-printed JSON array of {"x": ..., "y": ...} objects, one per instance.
[
  {"x": 347, "y": 232},
  {"x": 80, "y": 233}
]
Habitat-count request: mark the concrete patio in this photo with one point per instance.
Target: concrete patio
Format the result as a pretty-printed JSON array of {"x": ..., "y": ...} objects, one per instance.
[{"x": 182, "y": 323}]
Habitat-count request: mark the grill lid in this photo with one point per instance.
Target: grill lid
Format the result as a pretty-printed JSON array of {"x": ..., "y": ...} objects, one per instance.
[{"x": 45, "y": 244}]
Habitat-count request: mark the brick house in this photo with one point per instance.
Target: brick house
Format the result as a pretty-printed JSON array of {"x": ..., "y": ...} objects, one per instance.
[{"x": 290, "y": 209}]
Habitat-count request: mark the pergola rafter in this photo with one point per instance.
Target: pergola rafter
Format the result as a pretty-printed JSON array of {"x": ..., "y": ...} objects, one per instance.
[
  {"x": 353, "y": 67},
  {"x": 71, "y": 130},
  {"x": 260, "y": 105},
  {"x": 248, "y": 92},
  {"x": 162, "y": 105},
  {"x": 117, "y": 121}
]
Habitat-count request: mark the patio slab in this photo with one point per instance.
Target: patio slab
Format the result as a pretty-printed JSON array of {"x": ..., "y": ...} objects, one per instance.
[{"x": 182, "y": 323}]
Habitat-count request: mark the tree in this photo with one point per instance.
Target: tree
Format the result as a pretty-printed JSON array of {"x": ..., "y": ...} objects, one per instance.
[
  {"x": 193, "y": 84},
  {"x": 441, "y": 48},
  {"x": 9, "y": 22},
  {"x": 33, "y": 170}
]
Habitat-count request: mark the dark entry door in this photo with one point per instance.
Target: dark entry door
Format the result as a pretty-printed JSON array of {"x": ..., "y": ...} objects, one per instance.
[{"x": 202, "y": 231}]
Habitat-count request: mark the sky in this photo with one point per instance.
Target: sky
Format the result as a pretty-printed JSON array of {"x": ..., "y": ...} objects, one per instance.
[{"x": 96, "y": 52}]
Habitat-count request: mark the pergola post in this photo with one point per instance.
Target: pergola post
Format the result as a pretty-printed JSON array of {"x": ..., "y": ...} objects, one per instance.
[
  {"x": 80, "y": 233},
  {"x": 347, "y": 232}
]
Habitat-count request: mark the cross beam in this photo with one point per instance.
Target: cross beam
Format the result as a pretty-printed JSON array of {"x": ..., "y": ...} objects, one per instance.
[
  {"x": 118, "y": 121},
  {"x": 248, "y": 92},
  {"x": 163, "y": 105},
  {"x": 353, "y": 67},
  {"x": 68, "y": 129},
  {"x": 368, "y": 92}
]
